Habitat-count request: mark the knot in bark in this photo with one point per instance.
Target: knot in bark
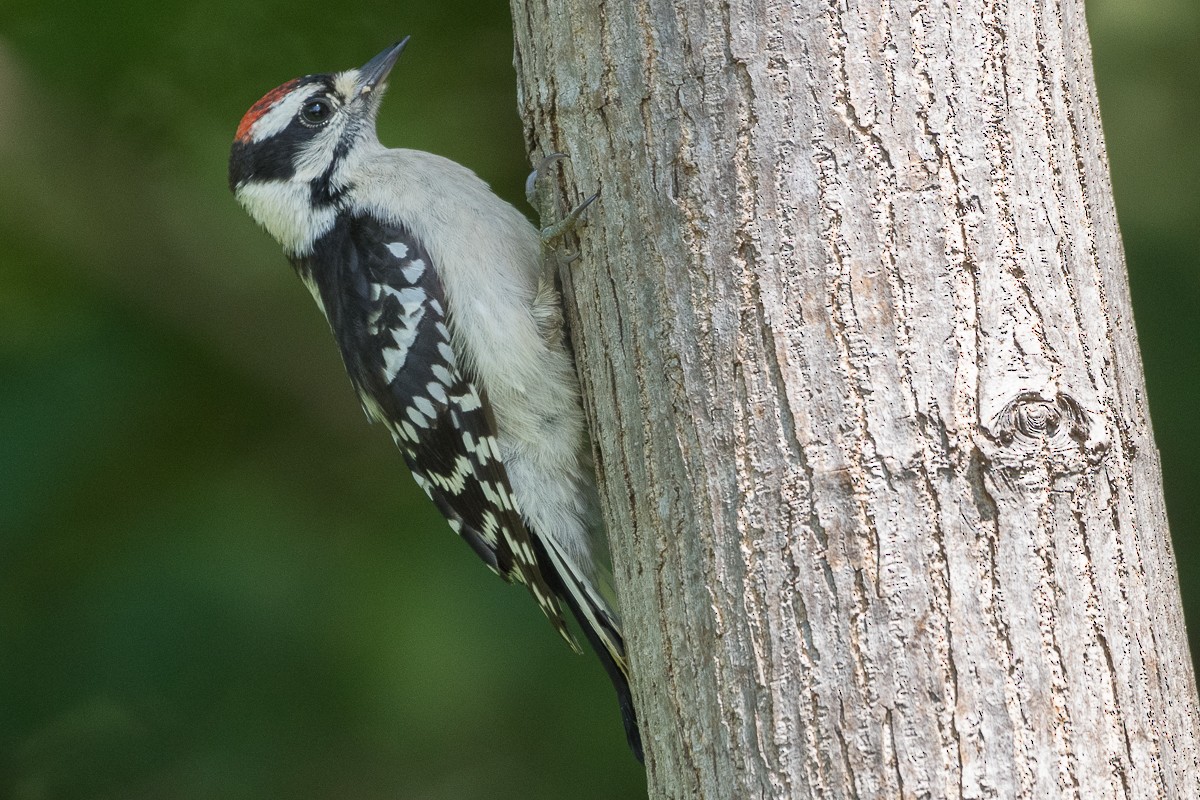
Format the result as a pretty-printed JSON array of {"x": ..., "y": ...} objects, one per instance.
[
  {"x": 1035, "y": 418},
  {"x": 1048, "y": 428}
]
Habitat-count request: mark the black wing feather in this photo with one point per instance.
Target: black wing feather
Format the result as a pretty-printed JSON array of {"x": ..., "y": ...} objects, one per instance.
[{"x": 387, "y": 309}]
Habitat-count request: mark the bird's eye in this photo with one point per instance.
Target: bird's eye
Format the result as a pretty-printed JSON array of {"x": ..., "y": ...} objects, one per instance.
[{"x": 316, "y": 112}]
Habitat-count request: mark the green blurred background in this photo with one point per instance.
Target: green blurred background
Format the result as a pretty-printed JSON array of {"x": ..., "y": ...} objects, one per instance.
[{"x": 215, "y": 579}]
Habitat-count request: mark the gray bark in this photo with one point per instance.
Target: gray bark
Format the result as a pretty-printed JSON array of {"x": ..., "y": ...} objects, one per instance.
[{"x": 855, "y": 336}]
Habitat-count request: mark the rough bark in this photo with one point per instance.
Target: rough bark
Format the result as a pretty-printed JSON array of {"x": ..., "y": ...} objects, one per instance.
[{"x": 856, "y": 339}]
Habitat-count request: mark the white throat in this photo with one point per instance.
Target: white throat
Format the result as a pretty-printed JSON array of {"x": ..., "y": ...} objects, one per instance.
[{"x": 285, "y": 209}]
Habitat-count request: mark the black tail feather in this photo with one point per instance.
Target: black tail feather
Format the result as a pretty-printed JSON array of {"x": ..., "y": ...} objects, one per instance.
[
  {"x": 619, "y": 679},
  {"x": 616, "y": 671}
]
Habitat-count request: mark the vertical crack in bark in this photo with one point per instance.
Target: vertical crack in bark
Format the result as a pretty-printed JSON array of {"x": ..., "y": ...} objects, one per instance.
[
  {"x": 1046, "y": 600},
  {"x": 1048, "y": 60},
  {"x": 1128, "y": 575},
  {"x": 1118, "y": 763},
  {"x": 848, "y": 762},
  {"x": 942, "y": 603},
  {"x": 1098, "y": 363},
  {"x": 672, "y": 678},
  {"x": 756, "y": 343}
]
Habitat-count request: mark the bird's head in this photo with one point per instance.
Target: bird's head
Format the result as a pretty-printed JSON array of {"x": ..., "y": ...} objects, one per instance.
[{"x": 292, "y": 152}]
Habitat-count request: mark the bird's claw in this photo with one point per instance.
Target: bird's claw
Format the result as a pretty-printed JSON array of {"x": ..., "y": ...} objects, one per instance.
[
  {"x": 551, "y": 233},
  {"x": 531, "y": 181}
]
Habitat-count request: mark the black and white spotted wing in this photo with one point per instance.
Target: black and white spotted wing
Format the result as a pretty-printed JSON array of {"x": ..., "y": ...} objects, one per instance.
[{"x": 386, "y": 305}]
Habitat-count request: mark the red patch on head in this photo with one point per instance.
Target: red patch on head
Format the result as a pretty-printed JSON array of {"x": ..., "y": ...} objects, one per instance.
[{"x": 262, "y": 107}]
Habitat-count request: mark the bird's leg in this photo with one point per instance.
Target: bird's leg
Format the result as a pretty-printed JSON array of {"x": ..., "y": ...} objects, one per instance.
[{"x": 551, "y": 233}]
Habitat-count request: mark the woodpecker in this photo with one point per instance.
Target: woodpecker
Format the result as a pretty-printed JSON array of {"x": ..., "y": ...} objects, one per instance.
[{"x": 450, "y": 330}]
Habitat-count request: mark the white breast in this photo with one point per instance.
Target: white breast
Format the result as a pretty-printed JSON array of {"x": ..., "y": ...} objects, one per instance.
[{"x": 488, "y": 258}]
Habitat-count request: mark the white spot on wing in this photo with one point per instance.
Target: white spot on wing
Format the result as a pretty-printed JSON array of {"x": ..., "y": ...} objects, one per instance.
[
  {"x": 404, "y": 336},
  {"x": 417, "y": 417},
  {"x": 412, "y": 272},
  {"x": 398, "y": 249},
  {"x": 469, "y": 401},
  {"x": 425, "y": 407},
  {"x": 394, "y": 358},
  {"x": 456, "y": 482},
  {"x": 480, "y": 449},
  {"x": 463, "y": 469},
  {"x": 411, "y": 298}
]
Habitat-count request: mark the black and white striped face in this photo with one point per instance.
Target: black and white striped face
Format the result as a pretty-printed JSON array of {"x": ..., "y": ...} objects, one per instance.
[{"x": 288, "y": 163}]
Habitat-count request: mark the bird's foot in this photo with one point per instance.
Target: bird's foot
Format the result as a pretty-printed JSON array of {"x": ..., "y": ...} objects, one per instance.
[{"x": 552, "y": 233}]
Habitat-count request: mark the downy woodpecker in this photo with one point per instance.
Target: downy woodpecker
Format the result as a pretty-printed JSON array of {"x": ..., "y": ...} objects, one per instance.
[{"x": 450, "y": 330}]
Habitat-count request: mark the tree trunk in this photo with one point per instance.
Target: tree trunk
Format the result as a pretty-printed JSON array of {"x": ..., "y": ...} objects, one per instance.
[{"x": 856, "y": 341}]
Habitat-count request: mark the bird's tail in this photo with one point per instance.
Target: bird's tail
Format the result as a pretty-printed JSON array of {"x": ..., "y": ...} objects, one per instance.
[{"x": 601, "y": 627}]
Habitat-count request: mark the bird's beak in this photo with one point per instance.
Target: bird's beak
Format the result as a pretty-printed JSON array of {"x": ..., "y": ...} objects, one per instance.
[{"x": 375, "y": 71}]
